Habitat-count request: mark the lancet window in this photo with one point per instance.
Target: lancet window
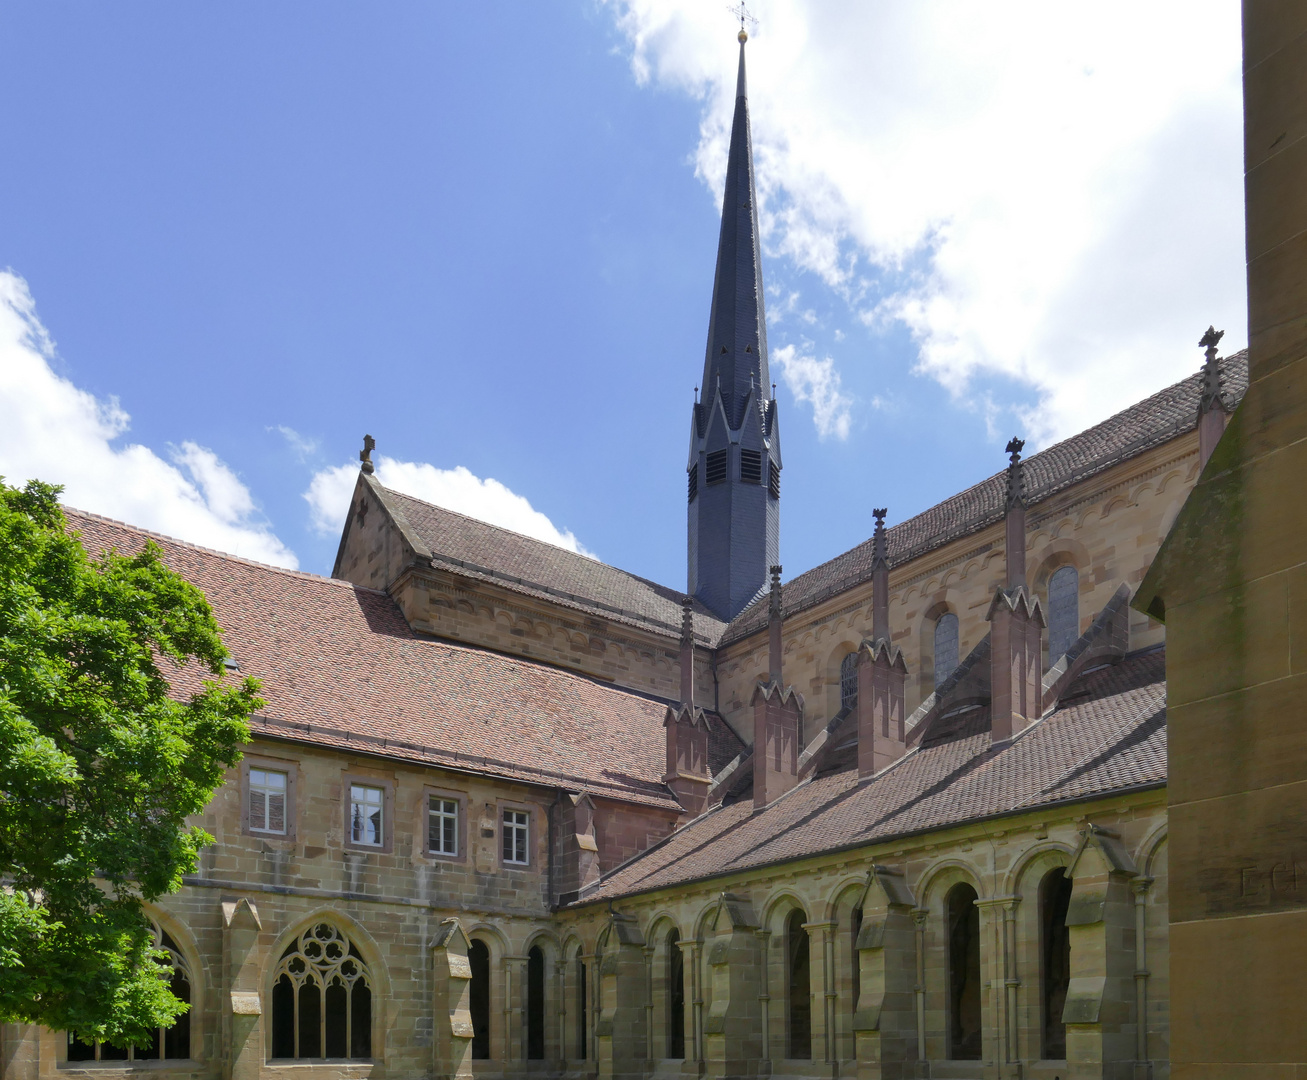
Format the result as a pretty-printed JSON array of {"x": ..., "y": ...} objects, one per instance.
[
  {"x": 946, "y": 646},
  {"x": 170, "y": 1043},
  {"x": 849, "y": 681},
  {"x": 1063, "y": 612},
  {"x": 321, "y": 998}
]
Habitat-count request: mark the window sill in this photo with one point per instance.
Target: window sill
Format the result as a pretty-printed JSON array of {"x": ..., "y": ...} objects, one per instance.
[
  {"x": 324, "y": 1067},
  {"x": 177, "y": 1064}
]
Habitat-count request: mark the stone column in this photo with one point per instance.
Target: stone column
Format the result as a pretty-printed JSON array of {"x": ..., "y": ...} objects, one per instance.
[
  {"x": 919, "y": 919},
  {"x": 514, "y": 969},
  {"x": 1002, "y": 1048},
  {"x": 732, "y": 1029},
  {"x": 242, "y": 1010},
  {"x": 621, "y": 1029},
  {"x": 451, "y": 979},
  {"x": 1143, "y": 1064},
  {"x": 764, "y": 998},
  {"x": 821, "y": 942},
  {"x": 693, "y": 951},
  {"x": 1100, "y": 1002}
]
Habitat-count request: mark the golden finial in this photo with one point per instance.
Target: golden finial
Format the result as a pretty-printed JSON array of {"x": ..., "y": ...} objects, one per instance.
[{"x": 743, "y": 35}]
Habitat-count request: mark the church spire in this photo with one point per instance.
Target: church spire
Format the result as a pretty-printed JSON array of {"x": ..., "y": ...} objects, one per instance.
[
  {"x": 735, "y": 454},
  {"x": 737, "y": 329}
]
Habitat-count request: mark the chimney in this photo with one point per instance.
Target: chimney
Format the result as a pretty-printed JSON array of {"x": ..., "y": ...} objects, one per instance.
[
  {"x": 1016, "y": 651},
  {"x": 1213, "y": 408},
  {"x": 777, "y": 717},
  {"x": 882, "y": 674},
  {"x": 687, "y": 730}
]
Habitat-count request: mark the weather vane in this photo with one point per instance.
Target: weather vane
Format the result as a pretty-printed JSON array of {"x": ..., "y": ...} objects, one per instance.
[{"x": 741, "y": 12}]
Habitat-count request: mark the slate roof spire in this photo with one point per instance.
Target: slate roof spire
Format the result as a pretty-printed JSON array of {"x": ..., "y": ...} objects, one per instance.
[
  {"x": 737, "y": 328},
  {"x": 734, "y": 466}
]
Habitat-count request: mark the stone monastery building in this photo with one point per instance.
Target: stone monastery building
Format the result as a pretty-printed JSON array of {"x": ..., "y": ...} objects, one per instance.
[{"x": 512, "y": 812}]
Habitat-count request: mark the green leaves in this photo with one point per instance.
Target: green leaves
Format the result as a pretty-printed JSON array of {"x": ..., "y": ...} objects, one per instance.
[{"x": 101, "y": 763}]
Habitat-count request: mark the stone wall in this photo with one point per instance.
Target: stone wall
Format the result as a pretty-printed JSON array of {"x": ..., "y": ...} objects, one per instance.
[{"x": 1108, "y": 527}]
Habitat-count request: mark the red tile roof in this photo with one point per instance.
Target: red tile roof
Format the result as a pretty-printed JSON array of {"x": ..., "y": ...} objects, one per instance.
[
  {"x": 486, "y": 552},
  {"x": 1155, "y": 420},
  {"x": 1108, "y": 735},
  {"x": 341, "y": 668}
]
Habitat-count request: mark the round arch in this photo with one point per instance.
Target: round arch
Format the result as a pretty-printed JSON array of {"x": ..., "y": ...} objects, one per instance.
[
  {"x": 941, "y": 876},
  {"x": 1041, "y": 858}
]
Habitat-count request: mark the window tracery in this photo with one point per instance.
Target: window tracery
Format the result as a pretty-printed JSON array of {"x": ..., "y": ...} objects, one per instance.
[{"x": 321, "y": 998}]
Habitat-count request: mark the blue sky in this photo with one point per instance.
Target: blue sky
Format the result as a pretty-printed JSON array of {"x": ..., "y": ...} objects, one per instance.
[{"x": 485, "y": 234}]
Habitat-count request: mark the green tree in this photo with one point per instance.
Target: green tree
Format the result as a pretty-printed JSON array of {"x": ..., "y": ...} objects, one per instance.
[{"x": 101, "y": 762}]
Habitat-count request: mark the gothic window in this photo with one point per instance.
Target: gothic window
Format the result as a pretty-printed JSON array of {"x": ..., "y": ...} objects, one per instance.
[
  {"x": 751, "y": 466},
  {"x": 170, "y": 1043},
  {"x": 267, "y": 793},
  {"x": 717, "y": 463},
  {"x": 516, "y": 835},
  {"x": 442, "y": 826},
  {"x": 849, "y": 681},
  {"x": 774, "y": 480},
  {"x": 946, "y": 646},
  {"x": 535, "y": 1004},
  {"x": 321, "y": 998},
  {"x": 366, "y": 815},
  {"x": 855, "y": 929},
  {"x": 582, "y": 1009},
  {"x": 675, "y": 996},
  {"x": 693, "y": 477},
  {"x": 1055, "y": 966},
  {"x": 800, "y": 987},
  {"x": 478, "y": 959},
  {"x": 1063, "y": 612},
  {"x": 963, "y": 973}
]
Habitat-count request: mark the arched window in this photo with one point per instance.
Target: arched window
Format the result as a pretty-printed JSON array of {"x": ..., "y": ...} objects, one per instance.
[
  {"x": 849, "y": 681},
  {"x": 946, "y": 646},
  {"x": 800, "y": 986},
  {"x": 963, "y": 973},
  {"x": 675, "y": 996},
  {"x": 321, "y": 998},
  {"x": 855, "y": 929},
  {"x": 1063, "y": 612},
  {"x": 582, "y": 1009},
  {"x": 535, "y": 1004},
  {"x": 1055, "y": 957},
  {"x": 478, "y": 959},
  {"x": 170, "y": 1043}
]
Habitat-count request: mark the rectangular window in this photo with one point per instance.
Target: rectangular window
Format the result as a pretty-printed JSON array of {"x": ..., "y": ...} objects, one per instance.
[
  {"x": 717, "y": 463},
  {"x": 774, "y": 480},
  {"x": 442, "y": 826},
  {"x": 268, "y": 801},
  {"x": 516, "y": 834},
  {"x": 694, "y": 481},
  {"x": 366, "y": 808},
  {"x": 751, "y": 466}
]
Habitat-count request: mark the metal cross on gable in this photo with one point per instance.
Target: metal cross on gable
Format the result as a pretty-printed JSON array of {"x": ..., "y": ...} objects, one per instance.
[{"x": 741, "y": 12}]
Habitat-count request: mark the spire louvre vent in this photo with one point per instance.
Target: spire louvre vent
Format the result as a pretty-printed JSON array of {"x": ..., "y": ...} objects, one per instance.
[
  {"x": 717, "y": 463},
  {"x": 774, "y": 480},
  {"x": 694, "y": 481},
  {"x": 751, "y": 466}
]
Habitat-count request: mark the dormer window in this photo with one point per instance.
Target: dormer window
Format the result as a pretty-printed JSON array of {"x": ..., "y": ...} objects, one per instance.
[{"x": 717, "y": 463}]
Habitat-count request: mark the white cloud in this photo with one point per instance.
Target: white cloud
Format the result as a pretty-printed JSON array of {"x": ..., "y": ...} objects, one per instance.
[
  {"x": 301, "y": 446},
  {"x": 455, "y": 489},
  {"x": 1039, "y": 191},
  {"x": 817, "y": 383},
  {"x": 51, "y": 430}
]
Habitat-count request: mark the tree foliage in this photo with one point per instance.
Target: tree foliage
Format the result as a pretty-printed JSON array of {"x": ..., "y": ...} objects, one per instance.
[{"x": 101, "y": 763}]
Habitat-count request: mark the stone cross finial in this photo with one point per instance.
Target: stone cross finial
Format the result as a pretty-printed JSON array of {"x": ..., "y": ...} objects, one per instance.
[
  {"x": 687, "y": 618},
  {"x": 878, "y": 549},
  {"x": 1213, "y": 391},
  {"x": 1016, "y": 485},
  {"x": 776, "y": 589},
  {"x": 365, "y": 455}
]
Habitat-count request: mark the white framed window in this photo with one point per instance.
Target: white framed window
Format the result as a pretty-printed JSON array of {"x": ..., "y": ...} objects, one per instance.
[
  {"x": 516, "y": 835},
  {"x": 366, "y": 813},
  {"x": 442, "y": 826},
  {"x": 267, "y": 801}
]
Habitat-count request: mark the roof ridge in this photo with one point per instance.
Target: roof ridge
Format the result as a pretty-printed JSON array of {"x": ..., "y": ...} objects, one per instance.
[
  {"x": 305, "y": 575},
  {"x": 965, "y": 527},
  {"x": 588, "y": 560}
]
